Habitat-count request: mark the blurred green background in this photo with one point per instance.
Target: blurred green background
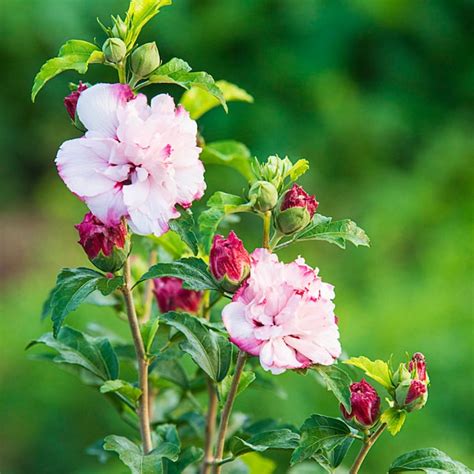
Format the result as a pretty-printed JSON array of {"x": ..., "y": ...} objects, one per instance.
[{"x": 377, "y": 94}]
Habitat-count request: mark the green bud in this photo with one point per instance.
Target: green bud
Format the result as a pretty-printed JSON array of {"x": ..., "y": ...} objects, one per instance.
[
  {"x": 119, "y": 30},
  {"x": 145, "y": 59},
  {"x": 114, "y": 50},
  {"x": 114, "y": 261},
  {"x": 292, "y": 220},
  {"x": 402, "y": 374},
  {"x": 264, "y": 196}
]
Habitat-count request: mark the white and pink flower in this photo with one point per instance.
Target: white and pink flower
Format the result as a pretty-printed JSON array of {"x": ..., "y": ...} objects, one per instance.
[
  {"x": 136, "y": 160},
  {"x": 284, "y": 314}
]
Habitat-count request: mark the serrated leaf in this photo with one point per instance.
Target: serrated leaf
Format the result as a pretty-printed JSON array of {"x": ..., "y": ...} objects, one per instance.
[
  {"x": 275, "y": 439},
  {"x": 184, "y": 227},
  {"x": 73, "y": 286},
  {"x": 229, "y": 153},
  {"x": 95, "y": 354},
  {"x": 394, "y": 419},
  {"x": 338, "y": 382},
  {"x": 320, "y": 434},
  {"x": 210, "y": 350},
  {"x": 377, "y": 370},
  {"x": 193, "y": 271},
  {"x": 246, "y": 379},
  {"x": 122, "y": 388},
  {"x": 429, "y": 460},
  {"x": 73, "y": 55},
  {"x": 132, "y": 455},
  {"x": 199, "y": 101}
]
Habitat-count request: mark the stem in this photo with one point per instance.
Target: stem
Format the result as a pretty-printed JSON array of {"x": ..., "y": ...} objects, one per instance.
[
  {"x": 277, "y": 236},
  {"x": 122, "y": 74},
  {"x": 267, "y": 221},
  {"x": 210, "y": 428},
  {"x": 148, "y": 295},
  {"x": 239, "y": 367},
  {"x": 143, "y": 408},
  {"x": 370, "y": 441}
]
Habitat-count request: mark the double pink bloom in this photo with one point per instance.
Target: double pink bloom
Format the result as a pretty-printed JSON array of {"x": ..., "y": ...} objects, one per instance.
[{"x": 136, "y": 160}]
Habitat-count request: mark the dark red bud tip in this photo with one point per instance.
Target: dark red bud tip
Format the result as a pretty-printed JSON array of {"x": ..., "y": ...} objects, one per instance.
[
  {"x": 417, "y": 389},
  {"x": 171, "y": 296},
  {"x": 418, "y": 365},
  {"x": 365, "y": 404},
  {"x": 298, "y": 197},
  {"x": 70, "y": 102}
]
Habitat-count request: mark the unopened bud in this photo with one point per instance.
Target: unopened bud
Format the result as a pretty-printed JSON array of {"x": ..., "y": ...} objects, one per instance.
[
  {"x": 365, "y": 404},
  {"x": 263, "y": 195},
  {"x": 114, "y": 50},
  {"x": 171, "y": 296},
  {"x": 119, "y": 30},
  {"x": 70, "y": 101},
  {"x": 145, "y": 59}
]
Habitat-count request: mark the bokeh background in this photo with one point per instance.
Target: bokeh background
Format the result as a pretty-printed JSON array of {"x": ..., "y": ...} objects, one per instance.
[{"x": 377, "y": 94}]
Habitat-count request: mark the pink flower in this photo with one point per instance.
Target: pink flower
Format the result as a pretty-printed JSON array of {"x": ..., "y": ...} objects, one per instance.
[
  {"x": 171, "y": 296},
  {"x": 229, "y": 261},
  {"x": 135, "y": 160},
  {"x": 365, "y": 404},
  {"x": 284, "y": 314},
  {"x": 298, "y": 197},
  {"x": 70, "y": 102}
]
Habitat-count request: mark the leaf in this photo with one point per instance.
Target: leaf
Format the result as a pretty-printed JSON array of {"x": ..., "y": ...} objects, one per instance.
[
  {"x": 139, "y": 13},
  {"x": 220, "y": 204},
  {"x": 298, "y": 169},
  {"x": 184, "y": 227},
  {"x": 338, "y": 382},
  {"x": 209, "y": 350},
  {"x": 337, "y": 455},
  {"x": 176, "y": 71},
  {"x": 246, "y": 379},
  {"x": 257, "y": 463},
  {"x": 122, "y": 388},
  {"x": 229, "y": 153},
  {"x": 188, "y": 456},
  {"x": 394, "y": 419},
  {"x": 73, "y": 286},
  {"x": 148, "y": 331},
  {"x": 320, "y": 433},
  {"x": 193, "y": 271},
  {"x": 132, "y": 456},
  {"x": 429, "y": 460},
  {"x": 94, "y": 354},
  {"x": 377, "y": 370},
  {"x": 275, "y": 439},
  {"x": 198, "y": 101},
  {"x": 73, "y": 55},
  {"x": 172, "y": 371}
]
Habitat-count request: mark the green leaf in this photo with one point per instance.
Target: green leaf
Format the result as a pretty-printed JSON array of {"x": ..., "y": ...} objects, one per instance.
[
  {"x": 172, "y": 244},
  {"x": 320, "y": 433},
  {"x": 73, "y": 286},
  {"x": 148, "y": 331},
  {"x": 176, "y": 71},
  {"x": 275, "y": 439},
  {"x": 229, "y": 153},
  {"x": 193, "y": 271},
  {"x": 184, "y": 227},
  {"x": 220, "y": 204},
  {"x": 394, "y": 419},
  {"x": 122, "y": 388},
  {"x": 199, "y": 101},
  {"x": 257, "y": 463},
  {"x": 172, "y": 371},
  {"x": 188, "y": 456},
  {"x": 95, "y": 354},
  {"x": 246, "y": 379},
  {"x": 337, "y": 455},
  {"x": 377, "y": 370},
  {"x": 210, "y": 350},
  {"x": 132, "y": 455},
  {"x": 429, "y": 460},
  {"x": 298, "y": 169},
  {"x": 73, "y": 55},
  {"x": 139, "y": 13},
  {"x": 338, "y": 382}
]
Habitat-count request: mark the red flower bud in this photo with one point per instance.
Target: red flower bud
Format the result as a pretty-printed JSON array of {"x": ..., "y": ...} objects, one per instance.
[
  {"x": 107, "y": 246},
  {"x": 70, "y": 102},
  {"x": 417, "y": 389},
  {"x": 229, "y": 261},
  {"x": 365, "y": 404},
  {"x": 418, "y": 365},
  {"x": 171, "y": 296}
]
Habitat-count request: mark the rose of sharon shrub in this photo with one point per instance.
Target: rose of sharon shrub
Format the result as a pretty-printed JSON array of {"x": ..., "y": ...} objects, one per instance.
[
  {"x": 135, "y": 160},
  {"x": 284, "y": 314}
]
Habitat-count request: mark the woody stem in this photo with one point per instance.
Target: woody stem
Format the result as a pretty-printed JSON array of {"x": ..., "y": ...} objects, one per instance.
[{"x": 369, "y": 442}]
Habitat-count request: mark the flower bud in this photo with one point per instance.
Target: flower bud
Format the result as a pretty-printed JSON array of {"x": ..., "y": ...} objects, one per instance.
[
  {"x": 114, "y": 50},
  {"x": 171, "y": 296},
  {"x": 119, "y": 30},
  {"x": 412, "y": 390},
  {"x": 365, "y": 404},
  {"x": 70, "y": 102},
  {"x": 264, "y": 196},
  {"x": 418, "y": 365},
  {"x": 229, "y": 261},
  {"x": 145, "y": 59},
  {"x": 107, "y": 246},
  {"x": 297, "y": 208}
]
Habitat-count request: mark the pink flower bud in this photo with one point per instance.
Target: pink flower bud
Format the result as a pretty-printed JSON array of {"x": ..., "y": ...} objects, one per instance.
[
  {"x": 418, "y": 365},
  {"x": 229, "y": 261},
  {"x": 298, "y": 197},
  {"x": 70, "y": 102},
  {"x": 171, "y": 296},
  {"x": 365, "y": 404},
  {"x": 107, "y": 246},
  {"x": 417, "y": 389}
]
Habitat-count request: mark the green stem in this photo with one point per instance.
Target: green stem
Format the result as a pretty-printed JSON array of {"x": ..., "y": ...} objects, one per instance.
[
  {"x": 210, "y": 428},
  {"x": 122, "y": 72},
  {"x": 369, "y": 442},
  {"x": 276, "y": 237},
  {"x": 267, "y": 221}
]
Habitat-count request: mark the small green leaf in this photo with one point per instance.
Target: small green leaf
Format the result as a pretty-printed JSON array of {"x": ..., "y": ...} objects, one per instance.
[
  {"x": 73, "y": 55},
  {"x": 258, "y": 464},
  {"x": 198, "y": 101},
  {"x": 320, "y": 434},
  {"x": 429, "y": 460},
  {"x": 123, "y": 388},
  {"x": 338, "y": 382},
  {"x": 188, "y": 456},
  {"x": 94, "y": 354},
  {"x": 377, "y": 370},
  {"x": 210, "y": 350},
  {"x": 148, "y": 331},
  {"x": 298, "y": 169},
  {"x": 193, "y": 271},
  {"x": 394, "y": 419},
  {"x": 246, "y": 379},
  {"x": 184, "y": 227},
  {"x": 275, "y": 439},
  {"x": 337, "y": 455},
  {"x": 229, "y": 153},
  {"x": 173, "y": 371}
]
